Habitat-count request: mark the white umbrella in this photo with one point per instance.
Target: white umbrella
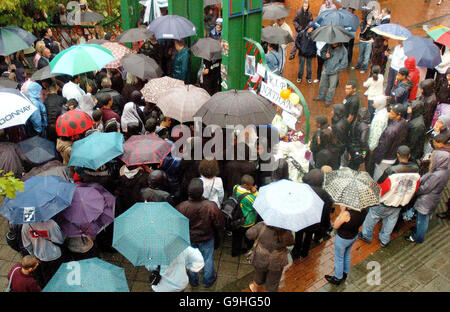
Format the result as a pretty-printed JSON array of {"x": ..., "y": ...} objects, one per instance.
[
  {"x": 289, "y": 205},
  {"x": 15, "y": 108}
]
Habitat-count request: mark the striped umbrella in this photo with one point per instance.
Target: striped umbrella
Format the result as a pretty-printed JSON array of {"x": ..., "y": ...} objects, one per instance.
[
  {"x": 156, "y": 87},
  {"x": 118, "y": 51},
  {"x": 181, "y": 103},
  {"x": 440, "y": 34},
  {"x": 13, "y": 39},
  {"x": 393, "y": 31}
]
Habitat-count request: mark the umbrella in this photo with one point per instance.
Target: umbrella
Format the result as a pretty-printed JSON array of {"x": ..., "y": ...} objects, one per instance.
[
  {"x": 96, "y": 150},
  {"x": 354, "y": 4},
  {"x": 88, "y": 275},
  {"x": 155, "y": 87},
  {"x": 141, "y": 66},
  {"x": 289, "y": 205},
  {"x": 276, "y": 35},
  {"x": 151, "y": 233},
  {"x": 81, "y": 58},
  {"x": 393, "y": 31},
  {"x": 144, "y": 149},
  {"x": 38, "y": 150},
  {"x": 42, "y": 74},
  {"x": 118, "y": 51},
  {"x": 275, "y": 11},
  {"x": 135, "y": 35},
  {"x": 181, "y": 103},
  {"x": 54, "y": 168},
  {"x": 85, "y": 17},
  {"x": 440, "y": 34},
  {"x": 41, "y": 199},
  {"x": 353, "y": 189},
  {"x": 172, "y": 27},
  {"x": 332, "y": 34},
  {"x": 98, "y": 41},
  {"x": 15, "y": 108},
  {"x": 340, "y": 17},
  {"x": 92, "y": 210},
  {"x": 236, "y": 107},
  {"x": 426, "y": 53},
  {"x": 72, "y": 123},
  {"x": 13, "y": 39},
  {"x": 207, "y": 48},
  {"x": 7, "y": 83}
]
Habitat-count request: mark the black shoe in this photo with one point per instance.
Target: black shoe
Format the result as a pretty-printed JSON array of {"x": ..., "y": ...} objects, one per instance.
[
  {"x": 333, "y": 280},
  {"x": 383, "y": 244},
  {"x": 409, "y": 238},
  {"x": 364, "y": 239},
  {"x": 344, "y": 277}
]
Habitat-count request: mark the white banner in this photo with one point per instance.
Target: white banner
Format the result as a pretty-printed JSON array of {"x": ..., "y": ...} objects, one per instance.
[{"x": 272, "y": 94}]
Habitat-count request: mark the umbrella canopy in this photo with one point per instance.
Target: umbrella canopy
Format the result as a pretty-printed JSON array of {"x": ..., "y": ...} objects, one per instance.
[
  {"x": 426, "y": 53},
  {"x": 15, "y": 108},
  {"x": 207, "y": 48},
  {"x": 80, "y": 59},
  {"x": 172, "y": 27},
  {"x": 7, "y": 83},
  {"x": 42, "y": 74},
  {"x": 236, "y": 107},
  {"x": 72, "y": 123},
  {"x": 118, "y": 51},
  {"x": 54, "y": 168},
  {"x": 87, "y": 17},
  {"x": 41, "y": 199},
  {"x": 276, "y": 35},
  {"x": 340, "y": 17},
  {"x": 151, "y": 233},
  {"x": 353, "y": 189},
  {"x": 274, "y": 11},
  {"x": 354, "y": 4},
  {"x": 289, "y": 205},
  {"x": 393, "y": 31},
  {"x": 181, "y": 103},
  {"x": 135, "y": 35},
  {"x": 13, "y": 39},
  {"x": 96, "y": 150},
  {"x": 156, "y": 87},
  {"x": 440, "y": 34},
  {"x": 332, "y": 34},
  {"x": 98, "y": 41},
  {"x": 92, "y": 210},
  {"x": 141, "y": 66},
  {"x": 144, "y": 149},
  {"x": 38, "y": 150},
  {"x": 95, "y": 275}
]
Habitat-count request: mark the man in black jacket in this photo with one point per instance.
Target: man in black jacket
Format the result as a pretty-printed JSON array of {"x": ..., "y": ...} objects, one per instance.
[
  {"x": 156, "y": 190},
  {"x": 359, "y": 137},
  {"x": 53, "y": 104},
  {"x": 45, "y": 58},
  {"x": 416, "y": 130},
  {"x": 118, "y": 104},
  {"x": 351, "y": 102},
  {"x": 340, "y": 127}
]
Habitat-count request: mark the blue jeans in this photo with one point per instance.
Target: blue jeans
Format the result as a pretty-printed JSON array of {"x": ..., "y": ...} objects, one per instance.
[
  {"x": 365, "y": 50},
  {"x": 371, "y": 109},
  {"x": 328, "y": 82},
  {"x": 389, "y": 217},
  {"x": 342, "y": 249},
  {"x": 390, "y": 82},
  {"x": 302, "y": 66},
  {"x": 207, "y": 251},
  {"x": 421, "y": 227}
]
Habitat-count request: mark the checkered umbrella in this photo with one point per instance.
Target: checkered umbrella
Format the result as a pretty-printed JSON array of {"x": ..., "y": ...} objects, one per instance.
[
  {"x": 181, "y": 103},
  {"x": 118, "y": 51},
  {"x": 158, "y": 86},
  {"x": 353, "y": 189},
  {"x": 144, "y": 149}
]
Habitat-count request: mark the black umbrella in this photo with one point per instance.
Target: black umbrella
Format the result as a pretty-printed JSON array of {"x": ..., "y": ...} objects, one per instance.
[
  {"x": 7, "y": 83},
  {"x": 42, "y": 74},
  {"x": 172, "y": 27},
  {"x": 207, "y": 48},
  {"x": 135, "y": 35},
  {"x": 141, "y": 66},
  {"x": 331, "y": 34},
  {"x": 38, "y": 150},
  {"x": 236, "y": 107},
  {"x": 276, "y": 35},
  {"x": 274, "y": 11},
  {"x": 54, "y": 167},
  {"x": 354, "y": 4}
]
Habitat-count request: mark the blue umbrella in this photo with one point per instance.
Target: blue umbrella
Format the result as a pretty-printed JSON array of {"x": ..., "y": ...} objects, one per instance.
[
  {"x": 424, "y": 50},
  {"x": 339, "y": 17},
  {"x": 151, "y": 233},
  {"x": 89, "y": 275},
  {"x": 393, "y": 31},
  {"x": 96, "y": 150},
  {"x": 41, "y": 199},
  {"x": 38, "y": 150}
]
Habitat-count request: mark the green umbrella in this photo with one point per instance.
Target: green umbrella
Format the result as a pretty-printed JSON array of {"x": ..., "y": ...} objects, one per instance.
[
  {"x": 13, "y": 39},
  {"x": 80, "y": 59}
]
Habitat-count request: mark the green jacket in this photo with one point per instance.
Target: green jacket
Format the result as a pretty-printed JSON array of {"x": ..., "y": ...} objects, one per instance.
[
  {"x": 180, "y": 69},
  {"x": 247, "y": 205}
]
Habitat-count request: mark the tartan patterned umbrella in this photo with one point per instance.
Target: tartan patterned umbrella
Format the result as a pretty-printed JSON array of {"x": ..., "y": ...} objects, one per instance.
[
  {"x": 158, "y": 86},
  {"x": 353, "y": 189},
  {"x": 144, "y": 149},
  {"x": 72, "y": 123},
  {"x": 440, "y": 34},
  {"x": 118, "y": 51},
  {"x": 181, "y": 103}
]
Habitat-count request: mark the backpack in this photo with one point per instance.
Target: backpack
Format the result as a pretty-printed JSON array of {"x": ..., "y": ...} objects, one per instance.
[{"x": 231, "y": 208}]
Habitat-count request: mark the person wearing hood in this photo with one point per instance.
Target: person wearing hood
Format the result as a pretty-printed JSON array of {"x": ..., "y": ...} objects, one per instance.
[
  {"x": 432, "y": 184},
  {"x": 37, "y": 123},
  {"x": 315, "y": 146},
  {"x": 307, "y": 50},
  {"x": 429, "y": 99},
  {"x": 303, "y": 17},
  {"x": 359, "y": 137},
  {"x": 415, "y": 139},
  {"x": 157, "y": 188},
  {"x": 340, "y": 127},
  {"x": 414, "y": 76},
  {"x": 132, "y": 112},
  {"x": 377, "y": 127}
]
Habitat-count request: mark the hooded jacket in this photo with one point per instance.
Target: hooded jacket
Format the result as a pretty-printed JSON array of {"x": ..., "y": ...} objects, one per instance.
[
  {"x": 414, "y": 76},
  {"x": 415, "y": 139},
  {"x": 340, "y": 125},
  {"x": 391, "y": 138},
  {"x": 39, "y": 117},
  {"x": 359, "y": 133},
  {"x": 379, "y": 121},
  {"x": 430, "y": 101},
  {"x": 302, "y": 19}
]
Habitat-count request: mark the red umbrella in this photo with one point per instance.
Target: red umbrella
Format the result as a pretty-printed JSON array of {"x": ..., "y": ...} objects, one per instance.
[
  {"x": 72, "y": 123},
  {"x": 144, "y": 149}
]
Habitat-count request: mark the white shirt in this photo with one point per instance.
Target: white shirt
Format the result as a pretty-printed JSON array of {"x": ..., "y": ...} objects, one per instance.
[
  {"x": 213, "y": 190},
  {"x": 398, "y": 58},
  {"x": 73, "y": 91},
  {"x": 374, "y": 88}
]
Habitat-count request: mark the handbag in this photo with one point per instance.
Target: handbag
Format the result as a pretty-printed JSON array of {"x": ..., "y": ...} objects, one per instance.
[
  {"x": 251, "y": 254},
  {"x": 155, "y": 276},
  {"x": 8, "y": 289}
]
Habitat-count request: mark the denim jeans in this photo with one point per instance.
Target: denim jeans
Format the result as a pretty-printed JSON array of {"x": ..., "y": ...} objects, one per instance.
[
  {"x": 328, "y": 82},
  {"x": 392, "y": 75},
  {"x": 207, "y": 250},
  {"x": 371, "y": 109},
  {"x": 342, "y": 249},
  {"x": 421, "y": 227},
  {"x": 389, "y": 217},
  {"x": 302, "y": 66},
  {"x": 365, "y": 50}
]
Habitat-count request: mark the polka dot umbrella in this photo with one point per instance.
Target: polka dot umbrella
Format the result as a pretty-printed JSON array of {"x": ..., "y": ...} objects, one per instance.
[{"x": 72, "y": 123}]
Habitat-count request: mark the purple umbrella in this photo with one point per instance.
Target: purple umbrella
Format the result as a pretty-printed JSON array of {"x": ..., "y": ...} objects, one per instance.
[{"x": 91, "y": 211}]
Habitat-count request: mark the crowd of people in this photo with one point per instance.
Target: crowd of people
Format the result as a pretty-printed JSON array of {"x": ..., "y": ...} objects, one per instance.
[{"x": 400, "y": 139}]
